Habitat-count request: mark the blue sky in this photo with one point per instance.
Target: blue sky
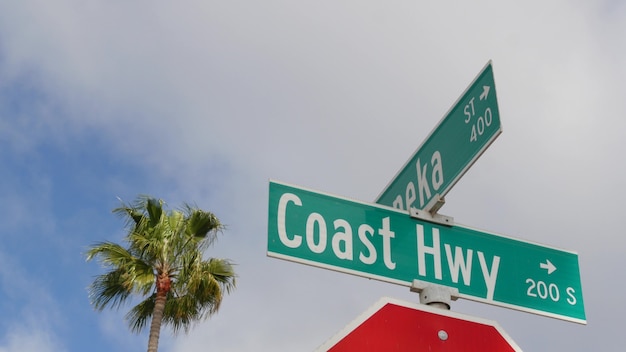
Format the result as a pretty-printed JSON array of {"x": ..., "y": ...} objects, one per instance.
[{"x": 205, "y": 101}]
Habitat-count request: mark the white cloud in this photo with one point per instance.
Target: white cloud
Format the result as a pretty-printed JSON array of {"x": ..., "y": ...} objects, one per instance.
[
  {"x": 30, "y": 338},
  {"x": 334, "y": 95},
  {"x": 30, "y": 316}
]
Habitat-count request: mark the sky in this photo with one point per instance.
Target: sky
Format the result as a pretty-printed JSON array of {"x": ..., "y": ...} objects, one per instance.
[{"x": 206, "y": 101}]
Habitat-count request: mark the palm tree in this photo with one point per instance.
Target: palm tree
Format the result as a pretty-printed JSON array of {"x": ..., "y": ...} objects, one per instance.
[{"x": 163, "y": 264}]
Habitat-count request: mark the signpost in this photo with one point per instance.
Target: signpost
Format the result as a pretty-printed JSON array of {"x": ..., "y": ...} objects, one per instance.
[
  {"x": 463, "y": 134},
  {"x": 392, "y": 325},
  {"x": 384, "y": 243}
]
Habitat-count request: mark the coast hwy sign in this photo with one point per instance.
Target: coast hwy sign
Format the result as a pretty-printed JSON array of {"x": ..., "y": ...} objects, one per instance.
[
  {"x": 463, "y": 134},
  {"x": 384, "y": 243}
]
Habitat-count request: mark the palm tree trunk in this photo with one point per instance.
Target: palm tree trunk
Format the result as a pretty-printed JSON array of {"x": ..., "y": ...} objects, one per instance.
[{"x": 157, "y": 317}]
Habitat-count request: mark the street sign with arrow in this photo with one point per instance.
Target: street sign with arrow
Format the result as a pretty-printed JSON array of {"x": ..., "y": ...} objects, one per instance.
[
  {"x": 385, "y": 243},
  {"x": 460, "y": 138}
]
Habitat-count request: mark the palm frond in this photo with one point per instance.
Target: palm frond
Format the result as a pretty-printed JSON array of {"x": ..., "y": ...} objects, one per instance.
[
  {"x": 154, "y": 208},
  {"x": 132, "y": 216},
  {"x": 201, "y": 223},
  {"x": 223, "y": 272},
  {"x": 110, "y": 254},
  {"x": 180, "y": 312},
  {"x": 140, "y": 315},
  {"x": 110, "y": 289},
  {"x": 129, "y": 272}
]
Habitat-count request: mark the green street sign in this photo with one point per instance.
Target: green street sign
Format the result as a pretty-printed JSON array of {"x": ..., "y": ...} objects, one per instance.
[
  {"x": 463, "y": 134},
  {"x": 386, "y": 244}
]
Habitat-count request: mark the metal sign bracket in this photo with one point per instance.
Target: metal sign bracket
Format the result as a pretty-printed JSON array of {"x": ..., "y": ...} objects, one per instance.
[
  {"x": 435, "y": 295},
  {"x": 430, "y": 212}
]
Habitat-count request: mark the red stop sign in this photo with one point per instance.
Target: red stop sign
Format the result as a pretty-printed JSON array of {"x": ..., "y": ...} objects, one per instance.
[{"x": 392, "y": 325}]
